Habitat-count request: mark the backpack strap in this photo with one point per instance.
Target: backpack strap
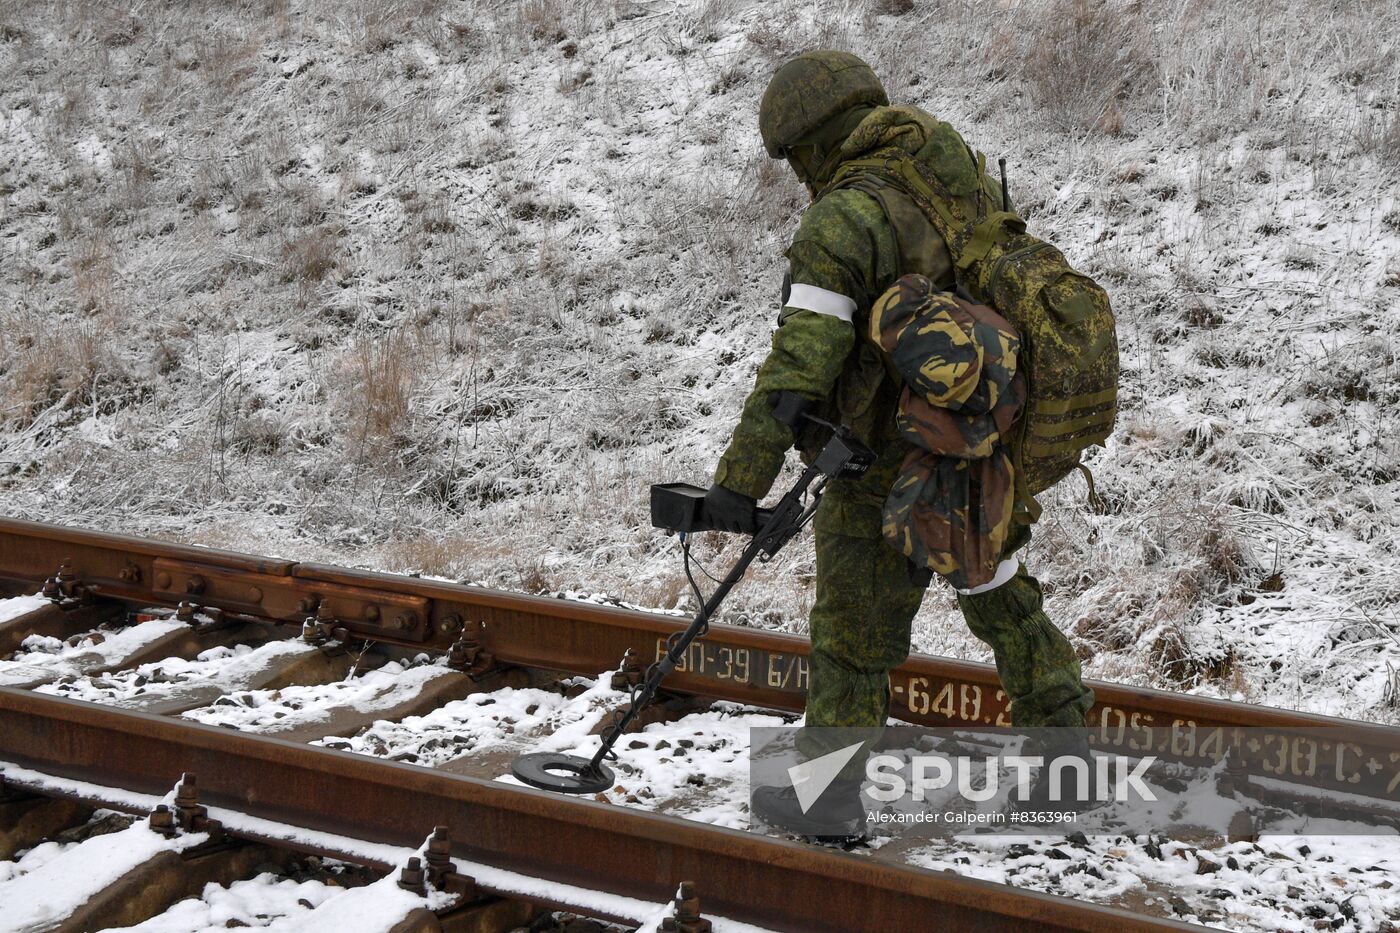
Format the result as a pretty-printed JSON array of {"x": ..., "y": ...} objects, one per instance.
[{"x": 969, "y": 238}]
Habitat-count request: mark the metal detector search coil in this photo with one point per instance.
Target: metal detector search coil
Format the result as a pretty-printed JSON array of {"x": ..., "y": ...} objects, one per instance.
[{"x": 565, "y": 774}]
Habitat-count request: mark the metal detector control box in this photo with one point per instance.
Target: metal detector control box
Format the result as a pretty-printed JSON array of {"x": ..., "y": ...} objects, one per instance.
[{"x": 679, "y": 507}]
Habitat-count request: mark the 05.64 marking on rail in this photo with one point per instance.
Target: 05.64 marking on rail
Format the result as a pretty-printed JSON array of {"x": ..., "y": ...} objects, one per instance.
[{"x": 1320, "y": 760}]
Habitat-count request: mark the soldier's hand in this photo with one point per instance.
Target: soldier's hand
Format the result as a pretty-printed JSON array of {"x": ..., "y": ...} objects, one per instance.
[{"x": 727, "y": 510}]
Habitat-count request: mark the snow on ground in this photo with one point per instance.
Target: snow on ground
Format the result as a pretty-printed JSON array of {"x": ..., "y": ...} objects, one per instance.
[
  {"x": 1279, "y": 884},
  {"x": 17, "y": 606},
  {"x": 32, "y": 859},
  {"x": 489, "y": 877},
  {"x": 261, "y": 901},
  {"x": 297, "y": 705},
  {"x": 507, "y": 718},
  {"x": 43, "y": 657},
  {"x": 697, "y": 767},
  {"x": 224, "y": 667},
  {"x": 40, "y": 897},
  {"x": 377, "y": 906}
]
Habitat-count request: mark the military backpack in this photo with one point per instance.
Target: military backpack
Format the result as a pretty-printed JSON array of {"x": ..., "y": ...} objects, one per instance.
[{"x": 1069, "y": 347}]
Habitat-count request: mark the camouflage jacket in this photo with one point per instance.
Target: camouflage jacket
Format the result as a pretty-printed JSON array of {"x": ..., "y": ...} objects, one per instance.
[{"x": 851, "y": 244}]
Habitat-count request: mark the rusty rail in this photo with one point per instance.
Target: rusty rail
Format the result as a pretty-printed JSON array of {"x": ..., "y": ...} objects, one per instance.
[
  {"x": 487, "y": 627},
  {"x": 634, "y": 853}
]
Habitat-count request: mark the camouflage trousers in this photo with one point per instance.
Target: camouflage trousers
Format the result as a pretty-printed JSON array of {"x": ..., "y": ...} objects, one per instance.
[{"x": 860, "y": 629}]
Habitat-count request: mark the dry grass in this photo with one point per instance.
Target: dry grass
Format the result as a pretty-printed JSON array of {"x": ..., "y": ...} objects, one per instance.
[
  {"x": 382, "y": 382},
  {"x": 1086, "y": 62}
]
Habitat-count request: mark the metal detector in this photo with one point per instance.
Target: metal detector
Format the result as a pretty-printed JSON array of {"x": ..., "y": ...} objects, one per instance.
[{"x": 676, "y": 507}]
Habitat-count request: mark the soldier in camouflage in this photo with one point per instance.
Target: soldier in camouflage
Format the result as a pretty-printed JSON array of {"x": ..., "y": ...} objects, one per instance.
[{"x": 820, "y": 110}]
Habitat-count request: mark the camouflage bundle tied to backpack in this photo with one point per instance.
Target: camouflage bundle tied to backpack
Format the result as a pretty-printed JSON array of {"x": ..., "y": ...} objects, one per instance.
[
  {"x": 951, "y": 507},
  {"x": 1069, "y": 347}
]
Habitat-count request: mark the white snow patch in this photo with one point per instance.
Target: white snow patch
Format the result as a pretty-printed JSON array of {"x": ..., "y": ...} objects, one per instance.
[
  {"x": 226, "y": 667},
  {"x": 43, "y": 656},
  {"x": 271, "y": 711},
  {"x": 21, "y": 605},
  {"x": 40, "y": 898}
]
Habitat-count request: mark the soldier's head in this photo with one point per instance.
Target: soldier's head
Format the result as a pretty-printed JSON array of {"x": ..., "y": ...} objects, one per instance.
[{"x": 812, "y": 104}]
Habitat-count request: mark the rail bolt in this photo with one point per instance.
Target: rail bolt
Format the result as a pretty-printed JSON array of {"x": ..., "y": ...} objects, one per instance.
[
  {"x": 187, "y": 793},
  {"x": 439, "y": 856},
  {"x": 688, "y": 919},
  {"x": 195, "y": 585},
  {"x": 411, "y": 877},
  {"x": 308, "y": 603},
  {"x": 629, "y": 673},
  {"x": 313, "y": 632},
  {"x": 129, "y": 574},
  {"x": 162, "y": 820}
]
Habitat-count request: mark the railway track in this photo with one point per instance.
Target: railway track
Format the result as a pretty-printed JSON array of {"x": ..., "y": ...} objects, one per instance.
[{"x": 158, "y": 633}]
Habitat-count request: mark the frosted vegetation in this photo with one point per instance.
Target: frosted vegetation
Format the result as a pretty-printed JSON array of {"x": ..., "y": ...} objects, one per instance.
[{"x": 443, "y": 286}]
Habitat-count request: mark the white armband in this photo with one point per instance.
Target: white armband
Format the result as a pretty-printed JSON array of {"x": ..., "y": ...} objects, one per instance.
[
  {"x": 821, "y": 301},
  {"x": 1005, "y": 571}
]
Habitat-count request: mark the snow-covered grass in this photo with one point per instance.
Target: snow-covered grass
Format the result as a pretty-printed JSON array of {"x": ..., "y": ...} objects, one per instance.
[{"x": 443, "y": 286}]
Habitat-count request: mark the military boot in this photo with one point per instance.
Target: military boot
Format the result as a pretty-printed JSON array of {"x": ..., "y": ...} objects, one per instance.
[
  {"x": 837, "y": 817},
  {"x": 1078, "y": 789}
]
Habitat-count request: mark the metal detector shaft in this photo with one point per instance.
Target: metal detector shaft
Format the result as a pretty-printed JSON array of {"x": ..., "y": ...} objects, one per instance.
[{"x": 786, "y": 521}]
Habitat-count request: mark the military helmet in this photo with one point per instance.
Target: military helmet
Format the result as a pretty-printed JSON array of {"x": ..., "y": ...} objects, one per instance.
[{"x": 811, "y": 89}]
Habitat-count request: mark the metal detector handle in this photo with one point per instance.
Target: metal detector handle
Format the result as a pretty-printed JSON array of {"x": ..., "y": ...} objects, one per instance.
[
  {"x": 784, "y": 521},
  {"x": 790, "y": 515},
  {"x": 843, "y": 455}
]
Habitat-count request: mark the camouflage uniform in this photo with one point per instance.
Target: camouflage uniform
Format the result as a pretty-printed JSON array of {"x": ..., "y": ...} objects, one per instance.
[{"x": 867, "y": 593}]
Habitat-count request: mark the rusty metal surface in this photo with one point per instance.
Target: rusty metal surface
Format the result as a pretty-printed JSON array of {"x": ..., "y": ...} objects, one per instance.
[
  {"x": 731, "y": 663},
  {"x": 781, "y": 885}
]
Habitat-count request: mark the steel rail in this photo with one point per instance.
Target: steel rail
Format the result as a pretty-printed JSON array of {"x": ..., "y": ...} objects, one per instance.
[
  {"x": 744, "y": 665},
  {"x": 774, "y": 883}
]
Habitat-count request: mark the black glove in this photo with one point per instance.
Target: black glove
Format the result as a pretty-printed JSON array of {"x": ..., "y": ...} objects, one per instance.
[{"x": 727, "y": 510}]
